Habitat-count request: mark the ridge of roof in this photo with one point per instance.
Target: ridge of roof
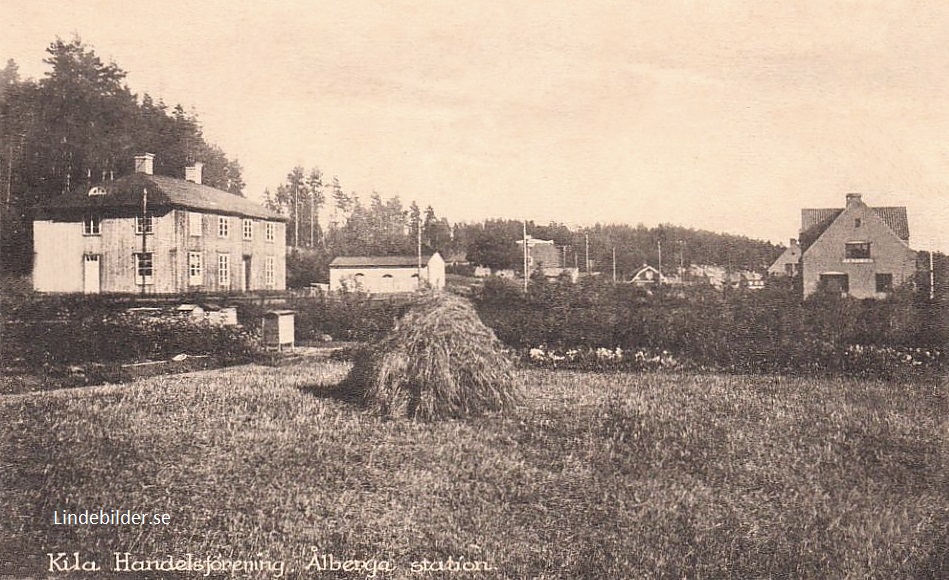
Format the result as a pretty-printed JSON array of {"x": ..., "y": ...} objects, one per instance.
[{"x": 379, "y": 261}]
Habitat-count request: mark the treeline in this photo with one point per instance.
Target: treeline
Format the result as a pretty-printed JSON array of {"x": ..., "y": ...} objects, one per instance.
[
  {"x": 385, "y": 226},
  {"x": 79, "y": 125}
]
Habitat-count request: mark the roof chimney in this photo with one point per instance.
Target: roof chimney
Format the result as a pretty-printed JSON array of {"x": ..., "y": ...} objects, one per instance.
[
  {"x": 852, "y": 198},
  {"x": 194, "y": 173},
  {"x": 145, "y": 163},
  {"x": 793, "y": 242}
]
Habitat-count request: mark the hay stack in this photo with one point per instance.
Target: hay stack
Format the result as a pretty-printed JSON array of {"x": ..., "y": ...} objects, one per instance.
[{"x": 439, "y": 361}]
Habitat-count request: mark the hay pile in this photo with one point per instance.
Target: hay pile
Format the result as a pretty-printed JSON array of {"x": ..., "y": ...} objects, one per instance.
[{"x": 439, "y": 361}]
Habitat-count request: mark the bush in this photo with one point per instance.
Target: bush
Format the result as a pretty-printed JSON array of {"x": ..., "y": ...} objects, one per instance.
[
  {"x": 771, "y": 330},
  {"x": 439, "y": 361}
]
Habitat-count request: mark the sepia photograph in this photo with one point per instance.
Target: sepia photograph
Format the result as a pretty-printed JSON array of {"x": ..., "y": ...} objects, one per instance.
[{"x": 431, "y": 289}]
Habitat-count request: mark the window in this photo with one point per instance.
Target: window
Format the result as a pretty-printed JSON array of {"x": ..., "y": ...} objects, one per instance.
[
  {"x": 835, "y": 283},
  {"x": 222, "y": 226},
  {"x": 224, "y": 270},
  {"x": 884, "y": 282},
  {"x": 270, "y": 235},
  {"x": 270, "y": 277},
  {"x": 91, "y": 226},
  {"x": 789, "y": 269},
  {"x": 143, "y": 224},
  {"x": 248, "y": 229},
  {"x": 194, "y": 268},
  {"x": 143, "y": 268},
  {"x": 858, "y": 251},
  {"x": 195, "y": 223},
  {"x": 857, "y": 222}
]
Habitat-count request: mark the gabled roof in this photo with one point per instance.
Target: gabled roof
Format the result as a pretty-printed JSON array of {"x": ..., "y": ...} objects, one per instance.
[
  {"x": 379, "y": 261},
  {"x": 815, "y": 221},
  {"x": 163, "y": 191}
]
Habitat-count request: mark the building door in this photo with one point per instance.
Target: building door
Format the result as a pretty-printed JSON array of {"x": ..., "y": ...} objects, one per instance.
[
  {"x": 245, "y": 266},
  {"x": 90, "y": 274}
]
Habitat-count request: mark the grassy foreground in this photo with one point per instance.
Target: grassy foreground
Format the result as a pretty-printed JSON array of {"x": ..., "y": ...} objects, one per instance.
[{"x": 595, "y": 476}]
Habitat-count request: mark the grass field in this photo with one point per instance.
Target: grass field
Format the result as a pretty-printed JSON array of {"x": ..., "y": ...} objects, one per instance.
[{"x": 595, "y": 476}]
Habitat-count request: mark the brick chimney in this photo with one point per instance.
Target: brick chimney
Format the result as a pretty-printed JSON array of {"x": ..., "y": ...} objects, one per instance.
[
  {"x": 793, "y": 242},
  {"x": 145, "y": 163},
  {"x": 853, "y": 198},
  {"x": 194, "y": 173}
]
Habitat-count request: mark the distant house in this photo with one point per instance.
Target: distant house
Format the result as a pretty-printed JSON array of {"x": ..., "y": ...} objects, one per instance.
[
  {"x": 386, "y": 274},
  {"x": 544, "y": 256},
  {"x": 857, "y": 250},
  {"x": 789, "y": 262},
  {"x": 646, "y": 276},
  {"x": 158, "y": 235}
]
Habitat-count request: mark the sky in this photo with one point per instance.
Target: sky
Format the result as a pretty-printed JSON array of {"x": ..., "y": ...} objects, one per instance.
[{"x": 728, "y": 116}]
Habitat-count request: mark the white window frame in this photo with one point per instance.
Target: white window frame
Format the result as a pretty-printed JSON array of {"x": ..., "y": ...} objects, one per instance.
[
  {"x": 271, "y": 232},
  {"x": 223, "y": 226},
  {"x": 195, "y": 268},
  {"x": 270, "y": 278},
  {"x": 91, "y": 225},
  {"x": 224, "y": 270},
  {"x": 139, "y": 263},
  {"x": 247, "y": 228},
  {"x": 195, "y": 224},
  {"x": 147, "y": 224}
]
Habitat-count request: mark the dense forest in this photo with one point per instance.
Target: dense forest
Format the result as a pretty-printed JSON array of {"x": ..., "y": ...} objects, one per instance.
[{"x": 81, "y": 124}]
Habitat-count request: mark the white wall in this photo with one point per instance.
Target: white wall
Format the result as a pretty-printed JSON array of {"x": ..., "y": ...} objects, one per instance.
[{"x": 58, "y": 249}]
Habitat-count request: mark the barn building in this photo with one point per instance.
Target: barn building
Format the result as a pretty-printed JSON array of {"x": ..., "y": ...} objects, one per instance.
[{"x": 386, "y": 274}]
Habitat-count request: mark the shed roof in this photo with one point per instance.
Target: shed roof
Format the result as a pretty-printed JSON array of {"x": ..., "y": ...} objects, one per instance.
[
  {"x": 379, "y": 261},
  {"x": 163, "y": 191}
]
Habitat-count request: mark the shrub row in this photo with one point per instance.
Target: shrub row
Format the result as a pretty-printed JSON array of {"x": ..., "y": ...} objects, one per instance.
[
  {"x": 120, "y": 337},
  {"x": 770, "y": 330}
]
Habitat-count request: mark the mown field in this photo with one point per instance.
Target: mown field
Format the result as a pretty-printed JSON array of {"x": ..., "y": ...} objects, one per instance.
[{"x": 595, "y": 476}]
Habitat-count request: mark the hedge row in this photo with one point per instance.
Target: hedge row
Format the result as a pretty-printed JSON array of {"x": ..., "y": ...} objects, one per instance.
[{"x": 770, "y": 330}]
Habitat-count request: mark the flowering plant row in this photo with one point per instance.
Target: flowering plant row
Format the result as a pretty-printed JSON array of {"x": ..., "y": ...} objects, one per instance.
[
  {"x": 865, "y": 360},
  {"x": 601, "y": 358}
]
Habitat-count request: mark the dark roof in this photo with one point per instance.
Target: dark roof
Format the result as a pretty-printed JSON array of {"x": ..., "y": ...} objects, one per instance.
[
  {"x": 163, "y": 191},
  {"x": 378, "y": 261},
  {"x": 815, "y": 221}
]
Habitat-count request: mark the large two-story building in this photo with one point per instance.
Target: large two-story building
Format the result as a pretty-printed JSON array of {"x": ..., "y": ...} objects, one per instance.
[{"x": 146, "y": 233}]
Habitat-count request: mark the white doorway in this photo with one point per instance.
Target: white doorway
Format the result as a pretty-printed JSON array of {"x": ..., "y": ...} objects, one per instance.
[{"x": 91, "y": 274}]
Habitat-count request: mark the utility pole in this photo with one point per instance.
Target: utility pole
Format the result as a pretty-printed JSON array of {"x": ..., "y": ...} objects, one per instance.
[
  {"x": 659, "y": 280},
  {"x": 586, "y": 238},
  {"x": 141, "y": 260},
  {"x": 614, "y": 264},
  {"x": 932, "y": 278},
  {"x": 418, "y": 229},
  {"x": 524, "y": 223}
]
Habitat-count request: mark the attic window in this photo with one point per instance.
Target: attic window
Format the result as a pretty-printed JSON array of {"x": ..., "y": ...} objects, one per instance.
[
  {"x": 857, "y": 251},
  {"x": 857, "y": 222}
]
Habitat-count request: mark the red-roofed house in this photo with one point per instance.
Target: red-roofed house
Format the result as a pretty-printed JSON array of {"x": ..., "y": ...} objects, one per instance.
[
  {"x": 158, "y": 235},
  {"x": 386, "y": 274},
  {"x": 857, "y": 250}
]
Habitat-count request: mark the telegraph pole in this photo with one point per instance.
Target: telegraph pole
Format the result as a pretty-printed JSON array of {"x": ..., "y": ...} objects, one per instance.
[
  {"x": 614, "y": 264},
  {"x": 586, "y": 238},
  {"x": 141, "y": 260},
  {"x": 524, "y": 223},
  {"x": 418, "y": 229}
]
